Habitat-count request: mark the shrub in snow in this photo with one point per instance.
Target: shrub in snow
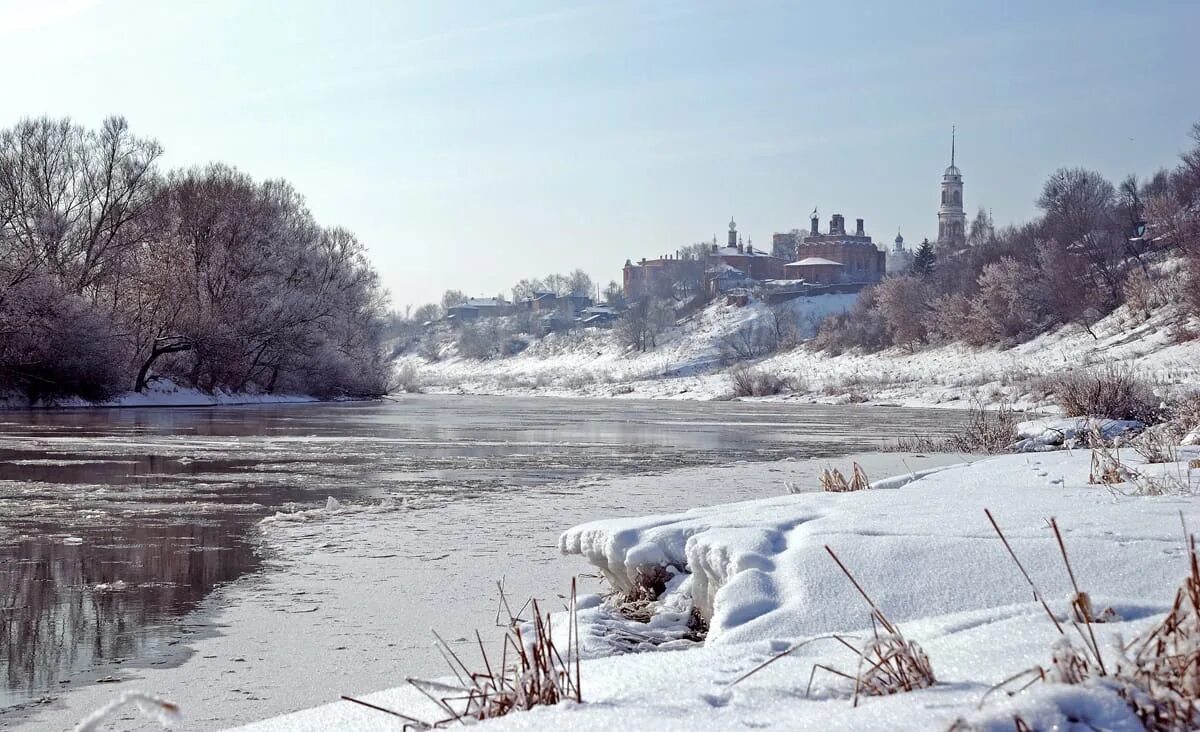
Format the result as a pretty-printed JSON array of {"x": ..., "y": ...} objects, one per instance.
[
  {"x": 407, "y": 378},
  {"x": 1110, "y": 392},
  {"x": 751, "y": 382}
]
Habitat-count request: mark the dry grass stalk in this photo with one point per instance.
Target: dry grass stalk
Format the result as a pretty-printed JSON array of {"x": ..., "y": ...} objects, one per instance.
[
  {"x": 1108, "y": 469},
  {"x": 1159, "y": 444},
  {"x": 637, "y": 604},
  {"x": 532, "y": 672},
  {"x": 1158, "y": 674},
  {"x": 987, "y": 431},
  {"x": 1163, "y": 673},
  {"x": 887, "y": 663},
  {"x": 832, "y": 480}
]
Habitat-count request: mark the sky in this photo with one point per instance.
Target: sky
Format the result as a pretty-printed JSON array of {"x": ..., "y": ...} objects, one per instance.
[{"x": 473, "y": 144}]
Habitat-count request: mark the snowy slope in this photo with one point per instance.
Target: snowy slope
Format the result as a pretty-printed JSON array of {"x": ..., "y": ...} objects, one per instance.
[{"x": 687, "y": 363}]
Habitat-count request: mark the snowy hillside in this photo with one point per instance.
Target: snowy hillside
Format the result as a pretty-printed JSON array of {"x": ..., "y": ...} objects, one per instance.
[{"x": 688, "y": 363}]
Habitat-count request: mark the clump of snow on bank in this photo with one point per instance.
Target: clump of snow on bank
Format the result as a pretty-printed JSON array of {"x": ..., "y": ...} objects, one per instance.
[
  {"x": 1040, "y": 435},
  {"x": 759, "y": 568}
]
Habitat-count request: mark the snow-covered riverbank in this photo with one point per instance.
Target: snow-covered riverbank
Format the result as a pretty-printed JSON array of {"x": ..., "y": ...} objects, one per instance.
[
  {"x": 691, "y": 361},
  {"x": 346, "y": 598},
  {"x": 760, "y": 574},
  {"x": 167, "y": 394}
]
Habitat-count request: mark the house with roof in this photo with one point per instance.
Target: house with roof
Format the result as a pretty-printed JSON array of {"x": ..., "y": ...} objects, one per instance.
[
  {"x": 478, "y": 307},
  {"x": 817, "y": 270},
  {"x": 598, "y": 316}
]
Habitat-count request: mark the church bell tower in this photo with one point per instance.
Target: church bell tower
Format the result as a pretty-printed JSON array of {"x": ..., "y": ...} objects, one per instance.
[{"x": 952, "y": 221}]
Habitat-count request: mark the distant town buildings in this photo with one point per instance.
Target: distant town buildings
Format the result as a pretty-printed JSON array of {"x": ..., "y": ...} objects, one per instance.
[{"x": 835, "y": 257}]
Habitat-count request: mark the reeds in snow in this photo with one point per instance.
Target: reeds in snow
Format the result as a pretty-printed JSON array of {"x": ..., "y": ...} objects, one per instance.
[
  {"x": 888, "y": 663},
  {"x": 531, "y": 672},
  {"x": 832, "y": 480},
  {"x": 1157, "y": 674}
]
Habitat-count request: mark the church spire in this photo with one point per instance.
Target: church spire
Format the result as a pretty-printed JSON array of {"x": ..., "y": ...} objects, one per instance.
[{"x": 953, "y": 130}]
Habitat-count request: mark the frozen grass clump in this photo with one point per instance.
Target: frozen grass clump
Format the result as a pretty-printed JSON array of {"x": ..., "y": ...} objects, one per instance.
[
  {"x": 832, "y": 480},
  {"x": 1157, "y": 674},
  {"x": 987, "y": 431}
]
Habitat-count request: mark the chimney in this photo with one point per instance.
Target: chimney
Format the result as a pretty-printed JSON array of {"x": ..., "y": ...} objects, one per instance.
[
  {"x": 813, "y": 232},
  {"x": 858, "y": 229},
  {"x": 837, "y": 225}
]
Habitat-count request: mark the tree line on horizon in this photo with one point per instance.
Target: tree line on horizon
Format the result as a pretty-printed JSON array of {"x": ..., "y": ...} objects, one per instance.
[{"x": 114, "y": 273}]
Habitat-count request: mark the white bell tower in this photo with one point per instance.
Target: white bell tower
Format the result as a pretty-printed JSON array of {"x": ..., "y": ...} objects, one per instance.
[{"x": 952, "y": 221}]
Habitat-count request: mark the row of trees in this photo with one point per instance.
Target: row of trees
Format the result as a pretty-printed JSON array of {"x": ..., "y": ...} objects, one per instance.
[
  {"x": 114, "y": 272},
  {"x": 1078, "y": 261}
]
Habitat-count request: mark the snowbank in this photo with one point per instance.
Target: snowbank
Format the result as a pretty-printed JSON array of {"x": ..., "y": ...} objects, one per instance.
[
  {"x": 164, "y": 393},
  {"x": 760, "y": 569}
]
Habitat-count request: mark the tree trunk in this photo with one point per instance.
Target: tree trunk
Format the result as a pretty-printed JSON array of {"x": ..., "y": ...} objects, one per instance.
[{"x": 161, "y": 348}]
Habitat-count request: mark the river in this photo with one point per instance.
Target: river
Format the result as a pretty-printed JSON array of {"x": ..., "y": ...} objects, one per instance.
[{"x": 117, "y": 524}]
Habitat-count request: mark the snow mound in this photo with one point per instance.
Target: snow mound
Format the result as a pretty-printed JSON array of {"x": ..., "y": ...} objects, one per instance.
[
  {"x": 1055, "y": 434},
  {"x": 760, "y": 570}
]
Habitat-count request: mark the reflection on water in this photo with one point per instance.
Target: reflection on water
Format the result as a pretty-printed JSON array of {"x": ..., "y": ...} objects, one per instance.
[
  {"x": 78, "y": 607},
  {"x": 115, "y": 523}
]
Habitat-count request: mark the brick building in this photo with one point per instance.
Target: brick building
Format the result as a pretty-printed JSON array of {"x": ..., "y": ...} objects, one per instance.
[{"x": 820, "y": 255}]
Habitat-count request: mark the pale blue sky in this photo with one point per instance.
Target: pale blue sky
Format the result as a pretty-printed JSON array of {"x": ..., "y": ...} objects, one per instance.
[{"x": 473, "y": 144}]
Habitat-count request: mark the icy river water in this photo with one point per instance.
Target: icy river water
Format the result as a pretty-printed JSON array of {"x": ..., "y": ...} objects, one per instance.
[{"x": 116, "y": 524}]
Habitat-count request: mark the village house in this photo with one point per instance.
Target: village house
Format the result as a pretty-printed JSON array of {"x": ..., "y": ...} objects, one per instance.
[{"x": 475, "y": 308}]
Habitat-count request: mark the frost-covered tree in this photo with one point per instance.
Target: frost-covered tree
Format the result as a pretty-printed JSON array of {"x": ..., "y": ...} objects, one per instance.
[{"x": 112, "y": 274}]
